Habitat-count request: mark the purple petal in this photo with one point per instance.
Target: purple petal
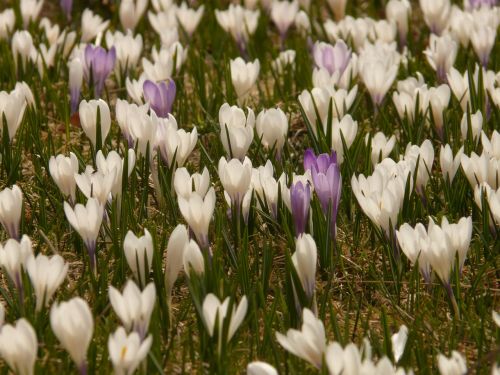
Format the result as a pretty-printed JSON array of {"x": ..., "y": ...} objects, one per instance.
[{"x": 309, "y": 159}]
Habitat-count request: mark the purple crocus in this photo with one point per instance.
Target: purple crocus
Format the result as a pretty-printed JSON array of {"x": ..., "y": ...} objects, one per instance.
[
  {"x": 327, "y": 181},
  {"x": 334, "y": 59},
  {"x": 160, "y": 96},
  {"x": 98, "y": 64},
  {"x": 479, "y": 3},
  {"x": 67, "y": 6},
  {"x": 300, "y": 198}
]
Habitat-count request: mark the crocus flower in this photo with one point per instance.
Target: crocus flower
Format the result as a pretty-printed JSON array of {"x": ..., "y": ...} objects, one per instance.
[
  {"x": 333, "y": 59},
  {"x": 18, "y": 347},
  {"x": 300, "y": 198},
  {"x": 160, "y": 96},
  {"x": 73, "y": 325},
  {"x": 243, "y": 76},
  {"x": 398, "y": 341},
  {"x": 272, "y": 129},
  {"x": 260, "y": 368},
  {"x": 283, "y": 15},
  {"x": 11, "y": 205},
  {"x": 455, "y": 365},
  {"x": 88, "y": 119},
  {"x": 7, "y": 22},
  {"x": 235, "y": 177},
  {"x": 138, "y": 251},
  {"x": 175, "y": 248},
  {"x": 75, "y": 82},
  {"x": 304, "y": 260},
  {"x": 99, "y": 63},
  {"x": 186, "y": 184},
  {"x": 66, "y": 6},
  {"x": 13, "y": 257},
  {"x": 327, "y": 181},
  {"x": 236, "y": 130},
  {"x": 127, "y": 351}
]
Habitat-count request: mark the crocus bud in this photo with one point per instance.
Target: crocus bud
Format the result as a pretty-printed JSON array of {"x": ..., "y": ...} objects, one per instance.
[
  {"x": 62, "y": 170},
  {"x": 96, "y": 184},
  {"x": 144, "y": 130},
  {"x": 189, "y": 18},
  {"x": 398, "y": 12},
  {"x": 139, "y": 254},
  {"x": 441, "y": 54},
  {"x": 12, "y": 106},
  {"x": 46, "y": 275},
  {"x": 398, "y": 341},
  {"x": 449, "y": 164},
  {"x": 283, "y": 15},
  {"x": 22, "y": 46},
  {"x": 338, "y": 8},
  {"x": 113, "y": 165},
  {"x": 425, "y": 157},
  {"x": 86, "y": 220},
  {"x": 235, "y": 177},
  {"x": 75, "y": 82},
  {"x": 18, "y": 347},
  {"x": 128, "y": 50},
  {"x": 7, "y": 21},
  {"x": 304, "y": 260},
  {"x": 236, "y": 130},
  {"x": 436, "y": 14},
  {"x": 239, "y": 22},
  {"x": 177, "y": 242},
  {"x": 198, "y": 212},
  {"x": 186, "y": 184},
  {"x": 99, "y": 63},
  {"x": 92, "y": 25},
  {"x": 309, "y": 343},
  {"x": 475, "y": 125},
  {"x": 88, "y": 119},
  {"x": 192, "y": 259},
  {"x": 302, "y": 23},
  {"x": 243, "y": 76},
  {"x": 11, "y": 205},
  {"x": 133, "y": 307},
  {"x": 455, "y": 365},
  {"x": 66, "y": 6},
  {"x": 381, "y": 147},
  {"x": 439, "y": 98},
  {"x": 213, "y": 309},
  {"x": 30, "y": 10},
  {"x": 333, "y": 59},
  {"x": 178, "y": 142},
  {"x": 260, "y": 368},
  {"x": 131, "y": 12},
  {"x": 13, "y": 257},
  {"x": 127, "y": 351},
  {"x": 160, "y": 96},
  {"x": 491, "y": 146},
  {"x": 378, "y": 76},
  {"x": 272, "y": 129},
  {"x": 483, "y": 39},
  {"x": 347, "y": 129},
  {"x": 300, "y": 198}
]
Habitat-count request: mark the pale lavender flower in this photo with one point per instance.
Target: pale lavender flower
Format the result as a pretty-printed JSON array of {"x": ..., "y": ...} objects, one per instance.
[
  {"x": 300, "y": 198},
  {"x": 99, "y": 63},
  {"x": 332, "y": 58},
  {"x": 67, "y": 6},
  {"x": 160, "y": 96}
]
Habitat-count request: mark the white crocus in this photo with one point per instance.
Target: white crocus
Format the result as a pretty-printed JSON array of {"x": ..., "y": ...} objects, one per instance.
[
  {"x": 186, "y": 184},
  {"x": 236, "y": 130},
  {"x": 424, "y": 156},
  {"x": 243, "y": 76},
  {"x": 216, "y": 312},
  {"x": 11, "y": 206},
  {"x": 189, "y": 18},
  {"x": 13, "y": 257},
  {"x": 272, "y": 129},
  {"x": 441, "y": 54},
  {"x": 62, "y": 170},
  {"x": 283, "y": 14},
  {"x": 73, "y": 325},
  {"x": 46, "y": 275},
  {"x": 437, "y": 99},
  {"x": 235, "y": 177},
  {"x": 12, "y": 106},
  {"x": 260, "y": 368},
  {"x": 414, "y": 244},
  {"x": 92, "y": 25},
  {"x": 479, "y": 169},
  {"x": 475, "y": 126},
  {"x": 309, "y": 343},
  {"x": 139, "y": 254},
  {"x": 398, "y": 12},
  {"x": 22, "y": 47},
  {"x": 381, "y": 146},
  {"x": 436, "y": 14},
  {"x": 449, "y": 164},
  {"x": 177, "y": 242},
  {"x": 88, "y": 119},
  {"x": 454, "y": 365},
  {"x": 133, "y": 307},
  {"x": 131, "y": 12},
  {"x": 176, "y": 142},
  {"x": 398, "y": 341},
  {"x": 198, "y": 212},
  {"x": 128, "y": 49},
  {"x": 127, "y": 351},
  {"x": 304, "y": 260},
  {"x": 345, "y": 128},
  {"x": 113, "y": 164},
  {"x": 459, "y": 235},
  {"x": 7, "y": 22},
  {"x": 238, "y": 21},
  {"x": 192, "y": 259},
  {"x": 483, "y": 39},
  {"x": 19, "y": 346}
]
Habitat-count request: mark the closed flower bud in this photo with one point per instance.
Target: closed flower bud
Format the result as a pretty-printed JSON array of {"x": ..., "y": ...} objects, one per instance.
[
  {"x": 300, "y": 199},
  {"x": 398, "y": 12},
  {"x": 63, "y": 169},
  {"x": 12, "y": 106},
  {"x": 455, "y": 365},
  {"x": 139, "y": 254},
  {"x": 260, "y": 368},
  {"x": 46, "y": 275},
  {"x": 99, "y": 63},
  {"x": 96, "y": 184},
  {"x": 186, "y": 184},
  {"x": 7, "y": 21},
  {"x": 86, "y": 220},
  {"x": 449, "y": 164},
  {"x": 177, "y": 242},
  {"x": 13, "y": 258},
  {"x": 22, "y": 47},
  {"x": 131, "y": 12},
  {"x": 88, "y": 119},
  {"x": 413, "y": 242},
  {"x": 381, "y": 146},
  {"x": 308, "y": 343},
  {"x": 424, "y": 155},
  {"x": 481, "y": 169},
  {"x": 127, "y": 351},
  {"x": 483, "y": 39},
  {"x": 398, "y": 341},
  {"x": 133, "y": 307},
  {"x": 272, "y": 129},
  {"x": 189, "y": 18},
  {"x": 214, "y": 309},
  {"x": 18, "y": 347},
  {"x": 160, "y": 96},
  {"x": 193, "y": 259},
  {"x": 347, "y": 129},
  {"x": 92, "y": 25},
  {"x": 283, "y": 14},
  {"x": 475, "y": 126},
  {"x": 11, "y": 205},
  {"x": 441, "y": 54},
  {"x": 243, "y": 76},
  {"x": 235, "y": 177},
  {"x": 436, "y": 14},
  {"x": 198, "y": 212},
  {"x": 304, "y": 260},
  {"x": 236, "y": 130},
  {"x": 113, "y": 165},
  {"x": 30, "y": 10},
  {"x": 176, "y": 142},
  {"x": 128, "y": 50},
  {"x": 75, "y": 82},
  {"x": 73, "y": 325},
  {"x": 239, "y": 22}
]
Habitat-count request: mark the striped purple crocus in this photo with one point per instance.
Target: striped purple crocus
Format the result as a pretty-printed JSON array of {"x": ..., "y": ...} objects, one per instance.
[
  {"x": 98, "y": 65},
  {"x": 300, "y": 199},
  {"x": 327, "y": 181},
  {"x": 160, "y": 96}
]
